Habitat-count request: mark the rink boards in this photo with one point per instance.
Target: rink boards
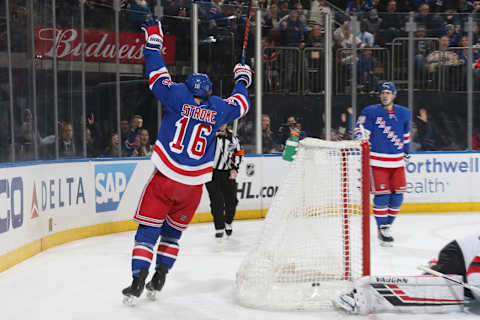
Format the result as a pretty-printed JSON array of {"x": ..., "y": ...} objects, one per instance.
[{"x": 43, "y": 204}]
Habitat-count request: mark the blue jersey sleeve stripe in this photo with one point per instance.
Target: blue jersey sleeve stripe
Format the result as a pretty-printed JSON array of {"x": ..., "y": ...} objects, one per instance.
[
  {"x": 242, "y": 102},
  {"x": 155, "y": 75}
]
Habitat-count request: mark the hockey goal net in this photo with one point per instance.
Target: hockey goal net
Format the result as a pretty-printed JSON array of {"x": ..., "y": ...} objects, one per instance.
[{"x": 315, "y": 237}]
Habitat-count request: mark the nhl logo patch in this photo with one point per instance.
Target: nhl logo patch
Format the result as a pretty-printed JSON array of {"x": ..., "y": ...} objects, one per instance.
[{"x": 250, "y": 169}]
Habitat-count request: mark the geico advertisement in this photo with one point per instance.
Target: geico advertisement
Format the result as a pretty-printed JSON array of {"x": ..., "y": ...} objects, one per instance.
[
  {"x": 36, "y": 199},
  {"x": 448, "y": 177}
]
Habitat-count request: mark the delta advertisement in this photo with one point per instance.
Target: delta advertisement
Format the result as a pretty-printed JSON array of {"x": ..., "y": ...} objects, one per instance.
[{"x": 42, "y": 199}]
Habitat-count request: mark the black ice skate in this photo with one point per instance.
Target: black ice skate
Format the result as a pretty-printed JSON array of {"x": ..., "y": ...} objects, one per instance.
[
  {"x": 228, "y": 229},
  {"x": 385, "y": 236},
  {"x": 158, "y": 280},
  {"x": 134, "y": 291},
  {"x": 219, "y": 236}
]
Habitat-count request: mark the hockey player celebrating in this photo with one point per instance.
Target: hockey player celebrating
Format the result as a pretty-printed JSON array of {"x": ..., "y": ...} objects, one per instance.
[
  {"x": 183, "y": 158},
  {"x": 387, "y": 127},
  {"x": 422, "y": 294}
]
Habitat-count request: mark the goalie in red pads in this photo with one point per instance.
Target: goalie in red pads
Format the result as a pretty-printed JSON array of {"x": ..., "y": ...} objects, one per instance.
[
  {"x": 387, "y": 127},
  {"x": 460, "y": 259}
]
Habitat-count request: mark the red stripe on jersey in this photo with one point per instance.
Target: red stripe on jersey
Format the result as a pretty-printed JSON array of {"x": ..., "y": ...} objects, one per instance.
[
  {"x": 155, "y": 77},
  {"x": 407, "y": 298},
  {"x": 167, "y": 249},
  {"x": 243, "y": 103},
  {"x": 139, "y": 252},
  {"x": 386, "y": 159},
  {"x": 193, "y": 173},
  {"x": 398, "y": 292},
  {"x": 392, "y": 286},
  {"x": 474, "y": 266}
]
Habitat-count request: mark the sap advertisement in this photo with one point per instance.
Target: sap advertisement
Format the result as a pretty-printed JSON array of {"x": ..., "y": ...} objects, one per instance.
[{"x": 40, "y": 199}]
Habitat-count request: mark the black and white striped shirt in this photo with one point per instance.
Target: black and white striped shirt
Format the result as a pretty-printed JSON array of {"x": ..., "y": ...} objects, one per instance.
[{"x": 228, "y": 154}]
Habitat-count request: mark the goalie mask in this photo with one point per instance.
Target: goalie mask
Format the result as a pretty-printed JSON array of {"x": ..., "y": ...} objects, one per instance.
[{"x": 199, "y": 85}]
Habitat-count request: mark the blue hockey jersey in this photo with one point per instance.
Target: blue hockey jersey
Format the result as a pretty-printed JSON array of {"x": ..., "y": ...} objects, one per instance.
[
  {"x": 388, "y": 133},
  {"x": 185, "y": 146}
]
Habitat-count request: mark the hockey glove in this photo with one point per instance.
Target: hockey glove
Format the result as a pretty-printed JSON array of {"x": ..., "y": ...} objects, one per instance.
[
  {"x": 242, "y": 72},
  {"x": 153, "y": 34}
]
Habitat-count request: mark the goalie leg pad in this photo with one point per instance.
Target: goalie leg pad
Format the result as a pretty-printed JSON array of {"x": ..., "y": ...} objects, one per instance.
[{"x": 405, "y": 294}]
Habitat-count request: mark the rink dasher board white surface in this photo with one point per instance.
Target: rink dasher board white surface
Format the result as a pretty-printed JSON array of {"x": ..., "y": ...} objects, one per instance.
[{"x": 43, "y": 204}]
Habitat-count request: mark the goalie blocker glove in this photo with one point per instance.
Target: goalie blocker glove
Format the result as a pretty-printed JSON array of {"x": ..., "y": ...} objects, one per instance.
[
  {"x": 242, "y": 72},
  {"x": 153, "y": 34}
]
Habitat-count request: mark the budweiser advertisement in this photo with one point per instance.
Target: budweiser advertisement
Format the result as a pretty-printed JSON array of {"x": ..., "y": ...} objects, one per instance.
[{"x": 98, "y": 46}]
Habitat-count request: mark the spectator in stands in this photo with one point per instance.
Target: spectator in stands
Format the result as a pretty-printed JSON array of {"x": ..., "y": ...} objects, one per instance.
[
  {"x": 302, "y": 133},
  {"x": 430, "y": 21},
  {"x": 271, "y": 24},
  {"x": 215, "y": 16},
  {"x": 113, "y": 147},
  {"x": 315, "y": 60},
  {"x": 67, "y": 145},
  {"x": 345, "y": 128},
  {"x": 437, "y": 6},
  {"x": 94, "y": 137},
  {"x": 283, "y": 10},
  {"x": 426, "y": 135},
  {"x": 293, "y": 35},
  {"x": 414, "y": 144},
  {"x": 366, "y": 37},
  {"x": 125, "y": 129},
  {"x": 373, "y": 22},
  {"x": 453, "y": 33},
  {"x": 92, "y": 149},
  {"x": 284, "y": 132},
  {"x": 442, "y": 56},
  {"x": 145, "y": 148},
  {"x": 25, "y": 137},
  {"x": 353, "y": 7},
  {"x": 406, "y": 6},
  {"x": 269, "y": 144},
  {"x": 392, "y": 25},
  {"x": 138, "y": 12},
  {"x": 423, "y": 48},
  {"x": 366, "y": 71},
  {"x": 302, "y": 13},
  {"x": 270, "y": 62},
  {"x": 451, "y": 17},
  {"x": 317, "y": 13},
  {"x": 344, "y": 38}
]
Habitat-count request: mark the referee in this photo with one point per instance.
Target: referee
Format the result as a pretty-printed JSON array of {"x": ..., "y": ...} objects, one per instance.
[{"x": 222, "y": 190}]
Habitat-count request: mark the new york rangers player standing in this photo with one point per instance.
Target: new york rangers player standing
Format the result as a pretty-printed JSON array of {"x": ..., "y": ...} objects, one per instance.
[
  {"x": 387, "y": 127},
  {"x": 183, "y": 158}
]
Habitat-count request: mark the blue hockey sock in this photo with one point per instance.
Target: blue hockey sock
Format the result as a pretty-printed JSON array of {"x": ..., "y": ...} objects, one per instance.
[
  {"x": 380, "y": 208},
  {"x": 394, "y": 205},
  {"x": 168, "y": 247},
  {"x": 142, "y": 254}
]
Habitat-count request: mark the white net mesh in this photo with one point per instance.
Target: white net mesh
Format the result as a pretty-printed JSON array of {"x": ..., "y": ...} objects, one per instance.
[{"x": 311, "y": 243}]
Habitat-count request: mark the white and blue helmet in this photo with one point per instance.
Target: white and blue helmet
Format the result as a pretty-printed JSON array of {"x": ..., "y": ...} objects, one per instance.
[{"x": 388, "y": 86}]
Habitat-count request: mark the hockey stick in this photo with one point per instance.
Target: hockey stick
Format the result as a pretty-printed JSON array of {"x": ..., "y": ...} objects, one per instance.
[
  {"x": 244, "y": 51},
  {"x": 444, "y": 276},
  {"x": 245, "y": 36}
]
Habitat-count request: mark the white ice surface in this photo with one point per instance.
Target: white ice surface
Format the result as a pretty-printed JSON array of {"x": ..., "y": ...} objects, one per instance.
[{"x": 83, "y": 279}]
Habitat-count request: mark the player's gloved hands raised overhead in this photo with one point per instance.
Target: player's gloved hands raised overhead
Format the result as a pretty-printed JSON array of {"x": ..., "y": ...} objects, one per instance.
[
  {"x": 242, "y": 72},
  {"x": 153, "y": 34}
]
